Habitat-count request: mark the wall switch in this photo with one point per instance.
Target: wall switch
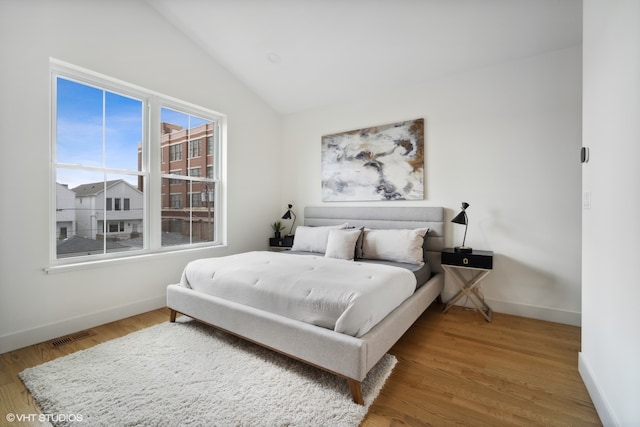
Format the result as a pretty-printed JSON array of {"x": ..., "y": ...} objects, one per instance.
[{"x": 586, "y": 200}]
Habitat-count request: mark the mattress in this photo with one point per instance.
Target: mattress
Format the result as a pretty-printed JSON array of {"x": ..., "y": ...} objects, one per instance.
[{"x": 345, "y": 296}]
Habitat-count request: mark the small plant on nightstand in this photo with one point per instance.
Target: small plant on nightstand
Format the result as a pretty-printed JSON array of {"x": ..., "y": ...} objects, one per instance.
[{"x": 277, "y": 228}]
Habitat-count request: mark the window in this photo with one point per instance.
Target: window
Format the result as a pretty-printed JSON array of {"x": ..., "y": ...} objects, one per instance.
[
  {"x": 210, "y": 145},
  {"x": 194, "y": 148},
  {"x": 175, "y": 181},
  {"x": 102, "y": 167},
  {"x": 189, "y": 211},
  {"x": 196, "y": 200},
  {"x": 175, "y": 152},
  {"x": 175, "y": 201}
]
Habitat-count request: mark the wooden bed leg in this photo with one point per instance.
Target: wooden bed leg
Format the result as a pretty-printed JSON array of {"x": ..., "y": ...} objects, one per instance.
[
  {"x": 172, "y": 316},
  {"x": 356, "y": 391}
]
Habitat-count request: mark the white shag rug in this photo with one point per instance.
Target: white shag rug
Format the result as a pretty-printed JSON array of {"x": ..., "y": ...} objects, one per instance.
[{"x": 189, "y": 374}]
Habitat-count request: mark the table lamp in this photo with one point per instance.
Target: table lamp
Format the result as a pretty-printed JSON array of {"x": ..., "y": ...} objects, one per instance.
[
  {"x": 462, "y": 218},
  {"x": 287, "y": 215}
]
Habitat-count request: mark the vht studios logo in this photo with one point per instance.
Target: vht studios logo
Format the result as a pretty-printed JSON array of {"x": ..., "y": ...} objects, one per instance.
[{"x": 51, "y": 418}]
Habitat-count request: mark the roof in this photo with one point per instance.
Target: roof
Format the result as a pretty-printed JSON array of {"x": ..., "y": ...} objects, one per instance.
[{"x": 94, "y": 188}]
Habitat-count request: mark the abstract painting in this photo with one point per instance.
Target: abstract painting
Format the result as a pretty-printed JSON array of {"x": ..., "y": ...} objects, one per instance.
[{"x": 376, "y": 163}]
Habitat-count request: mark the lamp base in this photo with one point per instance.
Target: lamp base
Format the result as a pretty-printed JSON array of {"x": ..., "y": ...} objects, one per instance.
[{"x": 463, "y": 249}]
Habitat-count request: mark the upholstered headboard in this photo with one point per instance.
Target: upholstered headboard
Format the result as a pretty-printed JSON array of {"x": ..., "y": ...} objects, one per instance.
[{"x": 381, "y": 217}]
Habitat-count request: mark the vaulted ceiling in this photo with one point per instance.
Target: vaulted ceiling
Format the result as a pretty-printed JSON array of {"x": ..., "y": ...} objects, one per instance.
[{"x": 302, "y": 54}]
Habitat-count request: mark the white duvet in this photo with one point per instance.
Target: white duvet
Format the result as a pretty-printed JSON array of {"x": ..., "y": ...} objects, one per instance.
[{"x": 346, "y": 296}]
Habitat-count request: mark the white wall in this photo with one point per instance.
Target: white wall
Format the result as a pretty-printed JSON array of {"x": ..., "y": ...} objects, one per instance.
[
  {"x": 611, "y": 289},
  {"x": 129, "y": 41},
  {"x": 506, "y": 139}
]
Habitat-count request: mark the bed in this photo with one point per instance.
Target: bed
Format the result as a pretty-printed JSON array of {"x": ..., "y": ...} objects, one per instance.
[{"x": 353, "y": 352}]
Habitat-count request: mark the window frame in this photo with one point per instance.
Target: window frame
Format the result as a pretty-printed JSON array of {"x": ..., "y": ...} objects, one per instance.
[
  {"x": 150, "y": 171},
  {"x": 219, "y": 138}
]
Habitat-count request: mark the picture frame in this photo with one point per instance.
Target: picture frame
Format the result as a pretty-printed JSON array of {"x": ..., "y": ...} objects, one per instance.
[{"x": 376, "y": 163}]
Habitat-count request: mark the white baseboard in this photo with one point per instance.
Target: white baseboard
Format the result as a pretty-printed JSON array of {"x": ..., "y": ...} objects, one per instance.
[
  {"x": 599, "y": 400},
  {"x": 48, "y": 332},
  {"x": 524, "y": 310},
  {"x": 548, "y": 314}
]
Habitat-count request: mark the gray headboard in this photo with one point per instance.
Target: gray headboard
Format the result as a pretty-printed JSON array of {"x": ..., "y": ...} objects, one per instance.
[{"x": 381, "y": 217}]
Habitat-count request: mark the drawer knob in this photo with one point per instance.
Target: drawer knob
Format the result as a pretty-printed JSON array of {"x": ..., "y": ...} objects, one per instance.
[{"x": 465, "y": 261}]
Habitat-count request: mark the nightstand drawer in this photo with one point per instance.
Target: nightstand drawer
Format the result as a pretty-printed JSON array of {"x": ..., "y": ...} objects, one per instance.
[
  {"x": 475, "y": 259},
  {"x": 284, "y": 242}
]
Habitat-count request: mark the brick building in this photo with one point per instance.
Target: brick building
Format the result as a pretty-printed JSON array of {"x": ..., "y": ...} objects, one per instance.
[{"x": 187, "y": 206}]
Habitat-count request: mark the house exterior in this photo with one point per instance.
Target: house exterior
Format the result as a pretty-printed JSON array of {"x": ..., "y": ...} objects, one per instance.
[
  {"x": 65, "y": 212},
  {"x": 117, "y": 202}
]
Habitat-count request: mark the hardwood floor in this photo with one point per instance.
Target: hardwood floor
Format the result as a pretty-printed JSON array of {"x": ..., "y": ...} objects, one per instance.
[
  {"x": 454, "y": 369},
  {"x": 458, "y": 369}
]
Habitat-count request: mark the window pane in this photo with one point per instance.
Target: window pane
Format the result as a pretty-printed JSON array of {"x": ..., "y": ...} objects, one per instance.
[
  {"x": 78, "y": 123},
  {"x": 187, "y": 212},
  {"x": 187, "y": 206},
  {"x": 183, "y": 138},
  {"x": 84, "y": 216},
  {"x": 176, "y": 226},
  {"x": 123, "y": 131},
  {"x": 203, "y": 214},
  {"x": 97, "y": 127},
  {"x": 75, "y": 192}
]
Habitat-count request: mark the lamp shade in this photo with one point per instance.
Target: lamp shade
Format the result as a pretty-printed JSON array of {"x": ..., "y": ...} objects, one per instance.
[{"x": 461, "y": 218}]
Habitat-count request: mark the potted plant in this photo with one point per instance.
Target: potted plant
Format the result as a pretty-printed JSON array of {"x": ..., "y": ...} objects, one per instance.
[{"x": 277, "y": 228}]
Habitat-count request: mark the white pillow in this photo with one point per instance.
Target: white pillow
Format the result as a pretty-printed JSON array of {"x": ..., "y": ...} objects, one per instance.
[
  {"x": 394, "y": 245},
  {"x": 342, "y": 243},
  {"x": 313, "y": 239}
]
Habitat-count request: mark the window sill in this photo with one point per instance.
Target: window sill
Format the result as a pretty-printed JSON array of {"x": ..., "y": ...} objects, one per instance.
[{"x": 87, "y": 265}]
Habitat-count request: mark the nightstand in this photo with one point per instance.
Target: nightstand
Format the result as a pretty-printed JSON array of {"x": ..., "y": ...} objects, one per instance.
[
  {"x": 278, "y": 244},
  {"x": 480, "y": 264}
]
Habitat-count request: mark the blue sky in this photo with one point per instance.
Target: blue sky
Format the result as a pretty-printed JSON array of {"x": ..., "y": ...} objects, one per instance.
[
  {"x": 182, "y": 119},
  {"x": 86, "y": 116},
  {"x": 80, "y": 127}
]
